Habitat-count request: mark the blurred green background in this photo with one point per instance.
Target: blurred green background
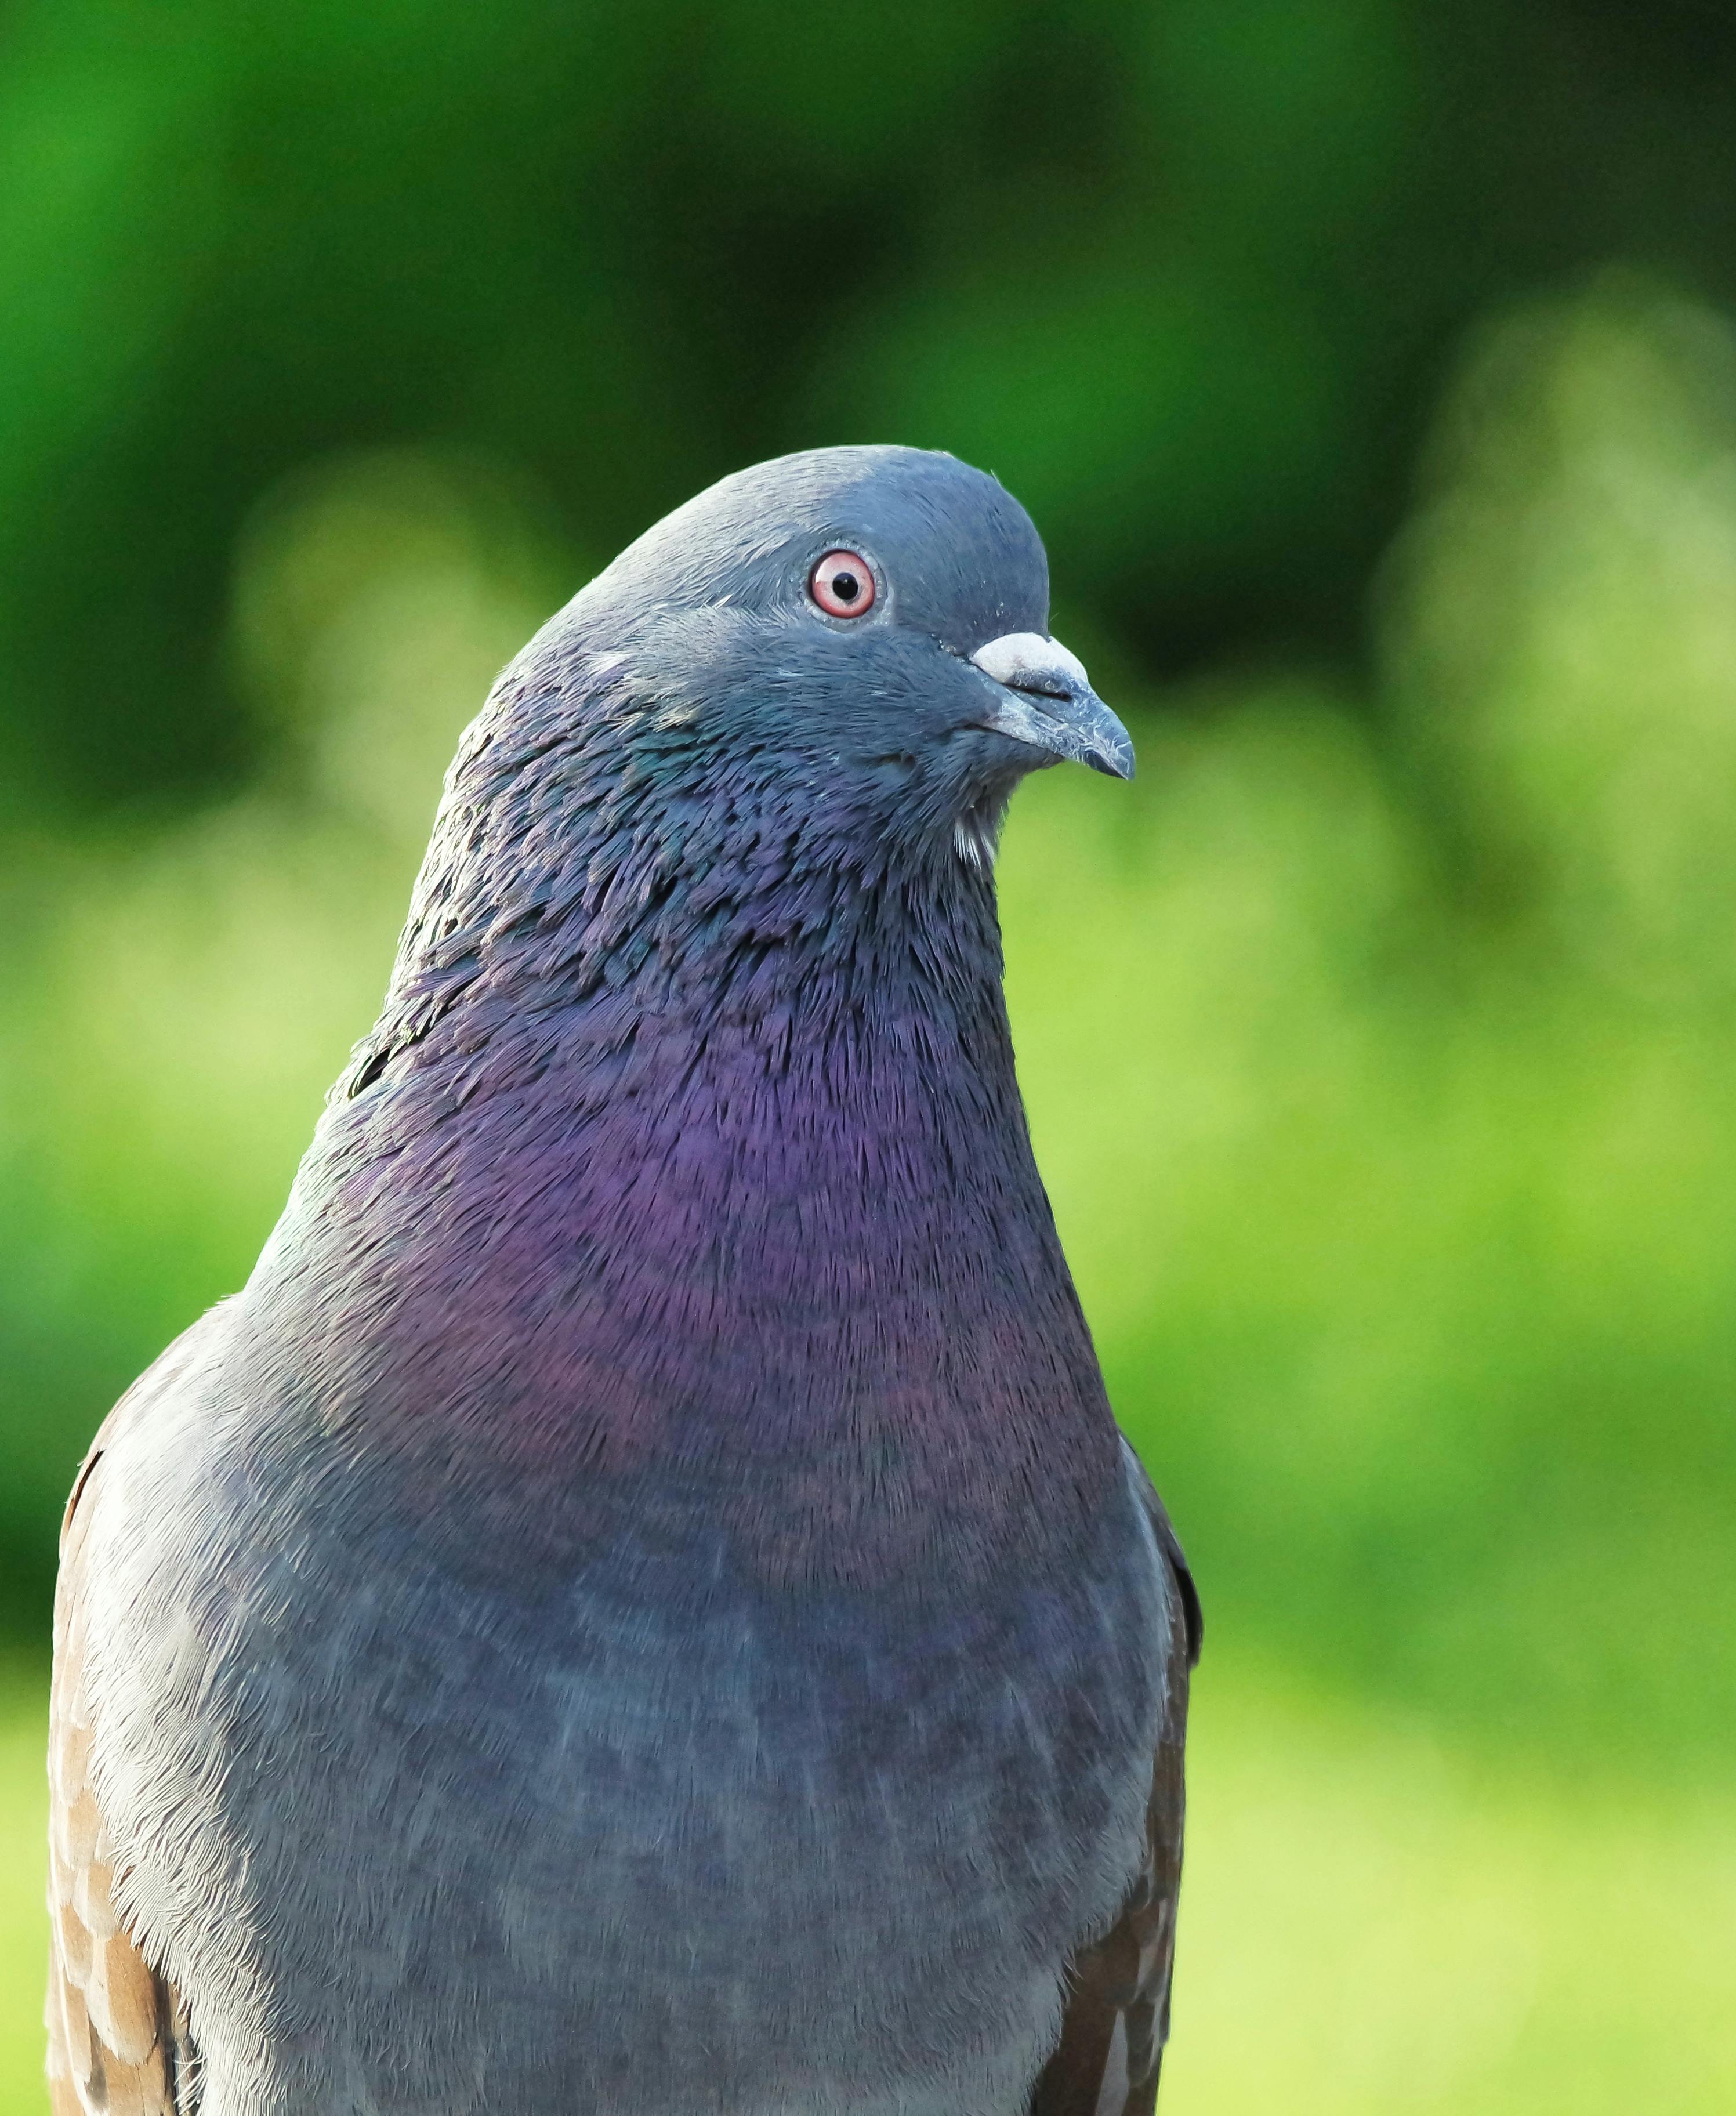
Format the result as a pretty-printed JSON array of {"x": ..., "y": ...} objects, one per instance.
[{"x": 1370, "y": 366}]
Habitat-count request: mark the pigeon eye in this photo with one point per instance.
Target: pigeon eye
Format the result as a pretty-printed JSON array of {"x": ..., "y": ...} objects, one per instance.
[{"x": 843, "y": 584}]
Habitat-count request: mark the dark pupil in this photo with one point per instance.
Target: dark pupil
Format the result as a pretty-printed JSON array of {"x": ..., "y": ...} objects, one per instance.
[{"x": 845, "y": 587}]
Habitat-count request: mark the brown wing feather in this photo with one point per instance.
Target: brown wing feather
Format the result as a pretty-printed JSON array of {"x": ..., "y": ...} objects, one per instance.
[
  {"x": 117, "y": 2044},
  {"x": 1117, "y": 2020}
]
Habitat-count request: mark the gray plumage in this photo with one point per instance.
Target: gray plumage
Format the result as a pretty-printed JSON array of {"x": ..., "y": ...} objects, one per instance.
[{"x": 640, "y": 1604}]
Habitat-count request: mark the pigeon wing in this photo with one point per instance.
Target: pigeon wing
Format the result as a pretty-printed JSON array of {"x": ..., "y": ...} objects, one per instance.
[
  {"x": 118, "y": 2039},
  {"x": 1116, "y": 2018}
]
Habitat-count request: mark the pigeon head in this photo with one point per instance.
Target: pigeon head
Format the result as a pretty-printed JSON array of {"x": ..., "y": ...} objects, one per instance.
[
  {"x": 769, "y": 748},
  {"x": 865, "y": 628}
]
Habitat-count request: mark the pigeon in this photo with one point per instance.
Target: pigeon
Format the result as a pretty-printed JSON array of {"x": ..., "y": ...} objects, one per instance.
[{"x": 640, "y": 1604}]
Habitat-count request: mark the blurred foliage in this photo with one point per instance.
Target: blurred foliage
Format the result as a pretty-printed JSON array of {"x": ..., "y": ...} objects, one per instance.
[
  {"x": 1369, "y": 368},
  {"x": 1188, "y": 276},
  {"x": 1384, "y": 1084}
]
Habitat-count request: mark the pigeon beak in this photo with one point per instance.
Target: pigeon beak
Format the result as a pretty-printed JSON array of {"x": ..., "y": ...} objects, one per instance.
[{"x": 1046, "y": 699}]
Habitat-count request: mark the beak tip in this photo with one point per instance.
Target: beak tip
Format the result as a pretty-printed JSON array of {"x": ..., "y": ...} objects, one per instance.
[{"x": 1037, "y": 675}]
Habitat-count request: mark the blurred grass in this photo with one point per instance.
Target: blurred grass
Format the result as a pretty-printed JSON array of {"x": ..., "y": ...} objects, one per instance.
[
  {"x": 24, "y": 1928},
  {"x": 1372, "y": 1922}
]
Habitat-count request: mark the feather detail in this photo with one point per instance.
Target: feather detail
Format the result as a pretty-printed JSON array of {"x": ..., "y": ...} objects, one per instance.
[{"x": 117, "y": 2044}]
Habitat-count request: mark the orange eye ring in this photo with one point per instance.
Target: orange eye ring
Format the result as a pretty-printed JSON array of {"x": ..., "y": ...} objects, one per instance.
[{"x": 842, "y": 584}]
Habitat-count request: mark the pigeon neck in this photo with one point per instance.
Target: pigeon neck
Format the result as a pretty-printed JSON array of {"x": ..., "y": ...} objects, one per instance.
[{"x": 759, "y": 1220}]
